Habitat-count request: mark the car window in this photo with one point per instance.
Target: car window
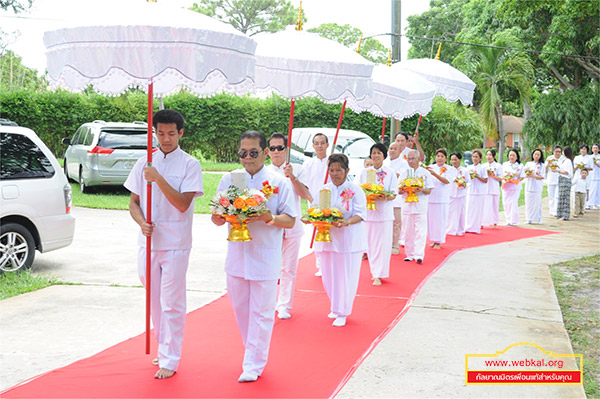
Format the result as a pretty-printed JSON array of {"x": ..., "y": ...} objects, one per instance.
[
  {"x": 125, "y": 140},
  {"x": 21, "y": 158},
  {"x": 357, "y": 148},
  {"x": 76, "y": 136},
  {"x": 89, "y": 137},
  {"x": 303, "y": 140}
]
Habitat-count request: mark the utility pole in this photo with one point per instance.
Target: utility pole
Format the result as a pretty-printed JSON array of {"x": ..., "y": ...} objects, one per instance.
[{"x": 396, "y": 55}]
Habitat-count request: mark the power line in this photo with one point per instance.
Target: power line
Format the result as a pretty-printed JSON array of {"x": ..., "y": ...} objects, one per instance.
[{"x": 439, "y": 39}]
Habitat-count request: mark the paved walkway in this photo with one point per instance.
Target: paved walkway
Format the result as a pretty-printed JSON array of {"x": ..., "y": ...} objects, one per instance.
[{"x": 481, "y": 301}]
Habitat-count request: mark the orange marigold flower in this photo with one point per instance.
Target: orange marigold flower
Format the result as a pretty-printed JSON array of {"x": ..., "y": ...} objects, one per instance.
[
  {"x": 251, "y": 202},
  {"x": 326, "y": 212},
  {"x": 239, "y": 203}
]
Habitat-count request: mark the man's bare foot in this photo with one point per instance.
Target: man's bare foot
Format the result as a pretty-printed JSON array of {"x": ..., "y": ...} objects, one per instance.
[
  {"x": 164, "y": 373},
  {"x": 436, "y": 246},
  {"x": 155, "y": 362}
]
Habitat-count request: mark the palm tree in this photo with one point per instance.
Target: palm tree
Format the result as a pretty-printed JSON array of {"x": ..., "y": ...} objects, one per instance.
[{"x": 491, "y": 68}]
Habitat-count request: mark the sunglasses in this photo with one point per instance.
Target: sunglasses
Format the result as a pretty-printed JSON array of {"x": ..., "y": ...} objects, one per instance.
[
  {"x": 277, "y": 148},
  {"x": 253, "y": 154}
]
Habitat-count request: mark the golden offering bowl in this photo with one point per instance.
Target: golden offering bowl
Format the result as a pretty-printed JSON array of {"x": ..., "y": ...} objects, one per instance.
[
  {"x": 322, "y": 231},
  {"x": 411, "y": 197},
  {"x": 239, "y": 229},
  {"x": 371, "y": 203}
]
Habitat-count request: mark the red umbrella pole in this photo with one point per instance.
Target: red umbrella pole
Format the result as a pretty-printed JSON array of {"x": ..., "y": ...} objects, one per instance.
[
  {"x": 149, "y": 218},
  {"x": 291, "y": 126},
  {"x": 337, "y": 132},
  {"x": 383, "y": 130},
  {"x": 417, "y": 130}
]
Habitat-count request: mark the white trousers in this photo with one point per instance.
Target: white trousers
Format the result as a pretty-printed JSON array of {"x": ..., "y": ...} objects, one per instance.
[
  {"x": 254, "y": 308},
  {"x": 415, "y": 227},
  {"x": 594, "y": 193},
  {"x": 340, "y": 279},
  {"x": 491, "y": 210},
  {"x": 533, "y": 206},
  {"x": 510, "y": 200},
  {"x": 397, "y": 227},
  {"x": 379, "y": 240},
  {"x": 167, "y": 301},
  {"x": 437, "y": 221},
  {"x": 457, "y": 212},
  {"x": 553, "y": 198},
  {"x": 289, "y": 266},
  {"x": 475, "y": 205}
]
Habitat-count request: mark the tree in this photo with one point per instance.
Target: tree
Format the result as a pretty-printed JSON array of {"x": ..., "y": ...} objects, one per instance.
[
  {"x": 251, "y": 17},
  {"x": 14, "y": 75},
  {"x": 349, "y": 36},
  {"x": 491, "y": 69},
  {"x": 16, "y": 5}
]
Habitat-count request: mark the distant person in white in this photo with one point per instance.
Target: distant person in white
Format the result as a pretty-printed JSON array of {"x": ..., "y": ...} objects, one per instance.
[
  {"x": 552, "y": 178},
  {"x": 291, "y": 237},
  {"x": 399, "y": 165},
  {"x": 253, "y": 267},
  {"x": 177, "y": 180}
]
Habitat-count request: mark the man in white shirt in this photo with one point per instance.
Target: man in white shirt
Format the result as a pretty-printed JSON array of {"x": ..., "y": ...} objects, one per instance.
[
  {"x": 414, "y": 214},
  {"x": 552, "y": 178},
  {"x": 253, "y": 267},
  {"x": 404, "y": 141},
  {"x": 291, "y": 237},
  {"x": 315, "y": 170},
  {"x": 177, "y": 179},
  {"x": 399, "y": 165}
]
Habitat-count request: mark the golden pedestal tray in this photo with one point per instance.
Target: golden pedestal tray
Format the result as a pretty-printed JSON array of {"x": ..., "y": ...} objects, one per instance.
[{"x": 239, "y": 229}]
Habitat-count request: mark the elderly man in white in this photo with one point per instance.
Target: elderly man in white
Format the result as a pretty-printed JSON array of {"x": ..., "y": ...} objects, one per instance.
[
  {"x": 399, "y": 165},
  {"x": 291, "y": 237},
  {"x": 253, "y": 267},
  {"x": 414, "y": 214}
]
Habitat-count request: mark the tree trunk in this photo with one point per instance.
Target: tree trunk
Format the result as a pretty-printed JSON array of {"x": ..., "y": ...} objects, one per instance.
[
  {"x": 525, "y": 150},
  {"x": 501, "y": 134}
]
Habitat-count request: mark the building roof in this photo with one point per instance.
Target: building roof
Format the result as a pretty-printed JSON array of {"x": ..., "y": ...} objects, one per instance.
[{"x": 512, "y": 124}]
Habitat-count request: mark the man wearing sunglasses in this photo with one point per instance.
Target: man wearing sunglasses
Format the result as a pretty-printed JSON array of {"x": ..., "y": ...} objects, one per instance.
[
  {"x": 253, "y": 267},
  {"x": 278, "y": 152}
]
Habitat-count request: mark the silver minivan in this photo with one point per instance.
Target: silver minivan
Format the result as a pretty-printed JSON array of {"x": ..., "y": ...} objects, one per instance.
[{"x": 103, "y": 153}]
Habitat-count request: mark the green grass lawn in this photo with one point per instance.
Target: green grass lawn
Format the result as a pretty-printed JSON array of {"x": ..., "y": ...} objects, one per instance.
[{"x": 13, "y": 284}]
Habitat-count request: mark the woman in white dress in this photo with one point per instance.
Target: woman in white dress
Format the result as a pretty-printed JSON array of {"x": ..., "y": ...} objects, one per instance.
[
  {"x": 514, "y": 173},
  {"x": 439, "y": 199},
  {"x": 476, "y": 194},
  {"x": 491, "y": 210},
  {"x": 380, "y": 222},
  {"x": 565, "y": 175},
  {"x": 341, "y": 258},
  {"x": 535, "y": 171},
  {"x": 594, "y": 201},
  {"x": 457, "y": 208},
  {"x": 582, "y": 161}
]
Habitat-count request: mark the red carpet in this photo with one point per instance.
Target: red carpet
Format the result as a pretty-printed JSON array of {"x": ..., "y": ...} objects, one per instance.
[{"x": 308, "y": 359}]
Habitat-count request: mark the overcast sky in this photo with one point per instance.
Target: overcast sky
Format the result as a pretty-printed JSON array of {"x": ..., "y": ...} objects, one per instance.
[{"x": 371, "y": 16}]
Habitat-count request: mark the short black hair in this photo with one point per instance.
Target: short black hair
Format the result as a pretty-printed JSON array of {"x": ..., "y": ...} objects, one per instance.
[
  {"x": 380, "y": 147},
  {"x": 516, "y": 152},
  {"x": 320, "y": 134},
  {"x": 339, "y": 158},
  {"x": 443, "y": 151},
  {"x": 168, "y": 116},
  {"x": 254, "y": 135},
  {"x": 557, "y": 146},
  {"x": 458, "y": 155},
  {"x": 541, "y": 155},
  {"x": 401, "y": 133},
  {"x": 278, "y": 135},
  {"x": 586, "y": 147},
  {"x": 493, "y": 153},
  {"x": 477, "y": 152}
]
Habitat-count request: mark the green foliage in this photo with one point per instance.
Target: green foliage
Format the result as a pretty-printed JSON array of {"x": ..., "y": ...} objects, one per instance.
[
  {"x": 251, "y": 17},
  {"x": 16, "y": 5},
  {"x": 14, "y": 75},
  {"x": 570, "y": 118},
  {"x": 349, "y": 36},
  {"x": 13, "y": 284}
]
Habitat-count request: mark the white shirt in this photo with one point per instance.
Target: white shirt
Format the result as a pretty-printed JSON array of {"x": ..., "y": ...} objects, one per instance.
[
  {"x": 387, "y": 178},
  {"x": 517, "y": 168},
  {"x": 453, "y": 173},
  {"x": 413, "y": 208},
  {"x": 477, "y": 187},
  {"x": 173, "y": 229},
  {"x": 404, "y": 153},
  {"x": 351, "y": 238},
  {"x": 532, "y": 184},
  {"x": 552, "y": 177},
  {"x": 595, "y": 175},
  {"x": 581, "y": 186},
  {"x": 493, "y": 185},
  {"x": 260, "y": 259},
  {"x": 441, "y": 192},
  {"x": 399, "y": 164},
  {"x": 298, "y": 229},
  {"x": 566, "y": 166},
  {"x": 314, "y": 172},
  {"x": 586, "y": 160}
]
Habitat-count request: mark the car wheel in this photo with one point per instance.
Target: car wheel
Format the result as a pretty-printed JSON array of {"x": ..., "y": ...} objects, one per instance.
[
  {"x": 82, "y": 187},
  {"x": 17, "y": 248}
]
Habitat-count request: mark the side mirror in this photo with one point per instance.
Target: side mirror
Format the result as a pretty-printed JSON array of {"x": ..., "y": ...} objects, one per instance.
[{"x": 66, "y": 141}]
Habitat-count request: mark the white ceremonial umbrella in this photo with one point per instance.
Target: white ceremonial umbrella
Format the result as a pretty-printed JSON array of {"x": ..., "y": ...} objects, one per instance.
[{"x": 114, "y": 45}]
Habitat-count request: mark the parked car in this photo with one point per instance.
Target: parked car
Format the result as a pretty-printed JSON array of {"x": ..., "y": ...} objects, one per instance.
[
  {"x": 35, "y": 204},
  {"x": 102, "y": 153},
  {"x": 468, "y": 158},
  {"x": 354, "y": 144}
]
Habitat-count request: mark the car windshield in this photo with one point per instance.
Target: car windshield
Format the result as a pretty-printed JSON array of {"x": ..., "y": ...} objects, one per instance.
[
  {"x": 358, "y": 147},
  {"x": 125, "y": 140}
]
